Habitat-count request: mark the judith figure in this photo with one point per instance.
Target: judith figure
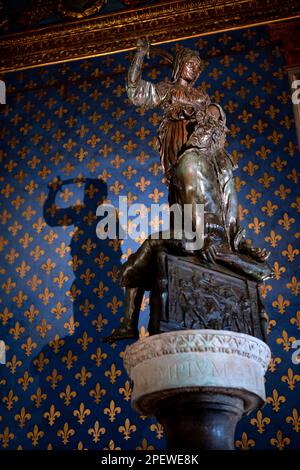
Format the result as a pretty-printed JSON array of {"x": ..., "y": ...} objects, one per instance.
[{"x": 197, "y": 169}]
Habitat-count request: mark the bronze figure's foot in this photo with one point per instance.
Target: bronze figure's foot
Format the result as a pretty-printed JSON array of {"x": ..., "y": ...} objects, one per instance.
[
  {"x": 258, "y": 254},
  {"x": 125, "y": 331}
]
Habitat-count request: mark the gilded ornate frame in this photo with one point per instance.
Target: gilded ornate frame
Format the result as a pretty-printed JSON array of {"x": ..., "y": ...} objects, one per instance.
[{"x": 163, "y": 22}]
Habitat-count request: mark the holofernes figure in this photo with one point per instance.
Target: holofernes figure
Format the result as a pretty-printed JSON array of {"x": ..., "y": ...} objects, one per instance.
[{"x": 198, "y": 170}]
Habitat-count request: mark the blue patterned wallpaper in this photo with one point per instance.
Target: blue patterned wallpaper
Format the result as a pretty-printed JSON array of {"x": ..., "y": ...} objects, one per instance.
[{"x": 62, "y": 386}]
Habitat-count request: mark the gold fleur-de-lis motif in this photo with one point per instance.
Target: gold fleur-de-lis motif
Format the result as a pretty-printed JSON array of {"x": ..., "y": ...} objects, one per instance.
[
  {"x": 271, "y": 324},
  {"x": 286, "y": 221},
  {"x": 96, "y": 432},
  {"x": 83, "y": 376},
  {"x": 294, "y": 420},
  {"x": 127, "y": 429},
  {"x": 48, "y": 266},
  {"x": 155, "y": 168},
  {"x": 143, "y": 332},
  {"x": 113, "y": 373},
  {"x": 16, "y": 331},
  {"x": 29, "y": 346},
  {"x": 126, "y": 390},
  {"x": 54, "y": 378},
  {"x": 279, "y": 164},
  {"x": 253, "y": 196},
  {"x": 10, "y": 399},
  {"x": 245, "y": 443},
  {"x": 112, "y": 446},
  {"x": 290, "y": 252},
  {"x": 296, "y": 320},
  {"x": 247, "y": 142},
  {"x": 130, "y": 146},
  {"x": 269, "y": 208},
  {"x": 273, "y": 363},
  {"x": 52, "y": 415},
  {"x": 142, "y": 133},
  {"x": 276, "y": 400},
  {"x": 60, "y": 279},
  {"x": 275, "y": 137},
  {"x": 6, "y": 436},
  {"x": 69, "y": 359},
  {"x": 13, "y": 364},
  {"x": 114, "y": 274},
  {"x": 56, "y": 344},
  {"x": 40, "y": 362},
  {"x": 86, "y": 307},
  {"x": 100, "y": 290},
  {"x": 256, "y": 225},
  {"x": 46, "y": 296},
  {"x": 35, "y": 435},
  {"x": 98, "y": 357},
  {"x": 279, "y": 441},
  {"x": 157, "y": 427},
  {"x": 260, "y": 422},
  {"x": 114, "y": 305},
  {"x": 101, "y": 260},
  {"x": 260, "y": 126},
  {"x": 43, "y": 328},
  {"x": 84, "y": 341},
  {"x": 68, "y": 395},
  {"x": 99, "y": 322},
  {"x": 22, "y": 417},
  {"x": 23, "y": 269},
  {"x": 34, "y": 283},
  {"x": 281, "y": 304},
  {"x": 156, "y": 195},
  {"x": 129, "y": 172},
  {"x": 117, "y": 187},
  {"x": 145, "y": 445},
  {"x": 8, "y": 286},
  {"x": 81, "y": 413},
  {"x": 20, "y": 298},
  {"x": 38, "y": 397},
  {"x": 278, "y": 270},
  {"x": 71, "y": 325},
  {"x": 62, "y": 250},
  {"x": 239, "y": 183},
  {"x": 65, "y": 433},
  {"x": 282, "y": 192},
  {"x": 97, "y": 393},
  {"x": 291, "y": 379},
  {"x": 112, "y": 410},
  {"x": 273, "y": 238},
  {"x": 5, "y": 316},
  {"x": 285, "y": 340},
  {"x": 264, "y": 289},
  {"x": 25, "y": 381}
]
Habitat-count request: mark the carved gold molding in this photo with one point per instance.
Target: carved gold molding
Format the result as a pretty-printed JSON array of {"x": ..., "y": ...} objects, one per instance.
[{"x": 163, "y": 22}]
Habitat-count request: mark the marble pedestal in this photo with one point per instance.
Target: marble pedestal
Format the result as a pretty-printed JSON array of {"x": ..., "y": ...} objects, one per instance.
[
  {"x": 198, "y": 383},
  {"x": 2, "y": 352}
]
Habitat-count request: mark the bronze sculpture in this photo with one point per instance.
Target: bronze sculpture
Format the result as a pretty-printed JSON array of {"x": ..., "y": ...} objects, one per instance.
[{"x": 198, "y": 170}]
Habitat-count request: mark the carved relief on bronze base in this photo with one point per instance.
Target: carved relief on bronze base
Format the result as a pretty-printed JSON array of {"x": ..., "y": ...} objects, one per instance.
[{"x": 190, "y": 294}]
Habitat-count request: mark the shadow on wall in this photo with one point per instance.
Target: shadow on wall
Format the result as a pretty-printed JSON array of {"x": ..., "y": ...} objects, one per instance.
[{"x": 74, "y": 360}]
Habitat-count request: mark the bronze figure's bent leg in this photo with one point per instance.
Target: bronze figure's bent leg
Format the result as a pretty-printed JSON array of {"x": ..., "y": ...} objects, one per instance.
[
  {"x": 129, "y": 328},
  {"x": 197, "y": 183}
]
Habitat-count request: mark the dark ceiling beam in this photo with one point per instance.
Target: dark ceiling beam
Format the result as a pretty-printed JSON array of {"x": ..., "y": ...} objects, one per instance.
[{"x": 163, "y": 22}]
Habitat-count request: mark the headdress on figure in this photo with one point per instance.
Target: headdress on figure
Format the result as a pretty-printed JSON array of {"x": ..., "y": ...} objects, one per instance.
[{"x": 181, "y": 58}]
